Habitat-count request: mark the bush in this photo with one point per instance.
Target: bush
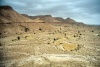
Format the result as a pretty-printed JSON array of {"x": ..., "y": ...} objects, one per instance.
[
  {"x": 78, "y": 31},
  {"x": 40, "y": 29},
  {"x": 0, "y": 44},
  {"x": 18, "y": 38},
  {"x": 0, "y": 33},
  {"x": 26, "y": 29},
  {"x": 92, "y": 31}
]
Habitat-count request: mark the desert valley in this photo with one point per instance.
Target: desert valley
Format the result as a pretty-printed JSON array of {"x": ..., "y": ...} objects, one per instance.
[{"x": 46, "y": 41}]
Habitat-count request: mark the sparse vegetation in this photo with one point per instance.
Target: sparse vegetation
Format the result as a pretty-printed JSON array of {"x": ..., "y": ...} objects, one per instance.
[
  {"x": 78, "y": 31},
  {"x": 18, "y": 38},
  {"x": 0, "y": 33},
  {"x": 40, "y": 29},
  {"x": 26, "y": 29},
  {"x": 0, "y": 44},
  {"x": 92, "y": 31},
  {"x": 4, "y": 31}
]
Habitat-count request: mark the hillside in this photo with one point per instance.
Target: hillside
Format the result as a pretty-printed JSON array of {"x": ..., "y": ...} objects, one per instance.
[
  {"x": 12, "y": 23},
  {"x": 7, "y": 14}
]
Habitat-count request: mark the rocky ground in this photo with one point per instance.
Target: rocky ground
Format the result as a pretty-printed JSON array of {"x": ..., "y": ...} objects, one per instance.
[{"x": 66, "y": 46}]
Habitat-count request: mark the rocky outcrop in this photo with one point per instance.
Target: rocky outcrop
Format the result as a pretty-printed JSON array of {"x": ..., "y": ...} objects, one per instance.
[
  {"x": 6, "y": 7},
  {"x": 72, "y": 21},
  {"x": 60, "y": 19},
  {"x": 69, "y": 20}
]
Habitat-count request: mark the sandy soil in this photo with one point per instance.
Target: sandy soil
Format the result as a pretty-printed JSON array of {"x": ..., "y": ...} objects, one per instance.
[{"x": 45, "y": 49}]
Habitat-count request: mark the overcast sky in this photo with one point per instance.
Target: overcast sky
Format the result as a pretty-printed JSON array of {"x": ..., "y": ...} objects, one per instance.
[{"x": 87, "y": 11}]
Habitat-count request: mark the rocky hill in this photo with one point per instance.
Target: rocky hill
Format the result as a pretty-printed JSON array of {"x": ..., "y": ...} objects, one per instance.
[
  {"x": 20, "y": 22},
  {"x": 11, "y": 22},
  {"x": 45, "y": 18},
  {"x": 69, "y": 20},
  {"x": 7, "y": 14},
  {"x": 60, "y": 19},
  {"x": 72, "y": 21},
  {"x": 51, "y": 19}
]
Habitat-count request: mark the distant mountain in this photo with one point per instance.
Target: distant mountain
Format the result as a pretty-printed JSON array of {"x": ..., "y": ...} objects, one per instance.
[
  {"x": 7, "y": 14},
  {"x": 45, "y": 18},
  {"x": 50, "y": 19},
  {"x": 72, "y": 21}
]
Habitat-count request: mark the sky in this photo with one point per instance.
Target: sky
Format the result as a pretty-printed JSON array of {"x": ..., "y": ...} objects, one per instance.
[{"x": 86, "y": 11}]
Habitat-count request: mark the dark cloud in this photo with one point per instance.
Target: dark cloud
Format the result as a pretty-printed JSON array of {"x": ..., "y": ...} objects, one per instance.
[{"x": 81, "y": 10}]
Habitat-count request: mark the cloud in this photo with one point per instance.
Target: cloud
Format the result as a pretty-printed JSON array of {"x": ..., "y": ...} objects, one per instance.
[{"x": 81, "y": 10}]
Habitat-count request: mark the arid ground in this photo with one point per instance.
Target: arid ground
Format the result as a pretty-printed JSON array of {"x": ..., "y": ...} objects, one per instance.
[{"x": 48, "y": 44}]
